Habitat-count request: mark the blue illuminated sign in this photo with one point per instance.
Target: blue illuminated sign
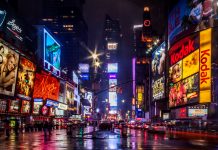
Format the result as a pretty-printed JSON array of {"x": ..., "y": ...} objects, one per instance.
[{"x": 51, "y": 103}]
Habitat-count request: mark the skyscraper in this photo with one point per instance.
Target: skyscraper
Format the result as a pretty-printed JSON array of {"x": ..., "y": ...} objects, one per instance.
[{"x": 112, "y": 44}]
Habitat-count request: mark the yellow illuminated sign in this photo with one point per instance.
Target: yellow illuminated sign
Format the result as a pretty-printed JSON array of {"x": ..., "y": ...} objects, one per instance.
[
  {"x": 191, "y": 64},
  {"x": 205, "y": 66}
]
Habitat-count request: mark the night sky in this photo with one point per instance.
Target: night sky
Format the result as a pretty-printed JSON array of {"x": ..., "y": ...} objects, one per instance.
[{"x": 129, "y": 12}]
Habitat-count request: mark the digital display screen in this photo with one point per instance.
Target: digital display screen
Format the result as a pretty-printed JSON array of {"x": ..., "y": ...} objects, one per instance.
[
  {"x": 8, "y": 70},
  {"x": 52, "y": 52},
  {"x": 189, "y": 16},
  {"x": 197, "y": 112},
  {"x": 112, "y": 85},
  {"x": 84, "y": 68},
  {"x": 112, "y": 68},
  {"x": 25, "y": 79},
  {"x": 46, "y": 86},
  {"x": 38, "y": 103},
  {"x": 113, "y": 98}
]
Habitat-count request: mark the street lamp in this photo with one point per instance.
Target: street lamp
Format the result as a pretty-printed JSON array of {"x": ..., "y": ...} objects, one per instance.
[{"x": 123, "y": 101}]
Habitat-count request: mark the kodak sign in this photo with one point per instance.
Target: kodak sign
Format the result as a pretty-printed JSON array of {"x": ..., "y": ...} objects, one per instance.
[{"x": 205, "y": 66}]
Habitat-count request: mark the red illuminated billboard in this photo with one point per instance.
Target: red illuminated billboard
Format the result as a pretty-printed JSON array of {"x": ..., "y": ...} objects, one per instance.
[{"x": 46, "y": 86}]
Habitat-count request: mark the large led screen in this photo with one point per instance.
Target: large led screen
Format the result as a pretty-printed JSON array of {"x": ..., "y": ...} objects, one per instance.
[
  {"x": 25, "y": 79},
  {"x": 158, "y": 69},
  {"x": 197, "y": 112},
  {"x": 112, "y": 68},
  {"x": 158, "y": 88},
  {"x": 8, "y": 70},
  {"x": 158, "y": 61},
  {"x": 190, "y": 69},
  {"x": 113, "y": 98},
  {"x": 52, "y": 52},
  {"x": 112, "y": 85},
  {"x": 46, "y": 86},
  {"x": 184, "y": 92},
  {"x": 189, "y": 16}
]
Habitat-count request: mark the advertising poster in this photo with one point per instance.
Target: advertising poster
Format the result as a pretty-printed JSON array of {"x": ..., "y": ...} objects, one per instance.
[
  {"x": 8, "y": 70},
  {"x": 69, "y": 95},
  {"x": 25, "y": 106},
  {"x": 112, "y": 85},
  {"x": 158, "y": 88},
  {"x": 14, "y": 106},
  {"x": 37, "y": 106},
  {"x": 190, "y": 16},
  {"x": 25, "y": 79},
  {"x": 46, "y": 86},
  {"x": 112, "y": 68},
  {"x": 140, "y": 95},
  {"x": 197, "y": 112},
  {"x": 175, "y": 72},
  {"x": 185, "y": 91},
  {"x": 84, "y": 68},
  {"x": 3, "y": 105},
  {"x": 191, "y": 64},
  {"x": 45, "y": 110},
  {"x": 52, "y": 52},
  {"x": 113, "y": 98},
  {"x": 158, "y": 61}
]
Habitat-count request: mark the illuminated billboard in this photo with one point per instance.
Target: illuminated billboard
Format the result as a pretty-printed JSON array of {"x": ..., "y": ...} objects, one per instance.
[
  {"x": 112, "y": 67},
  {"x": 52, "y": 52},
  {"x": 37, "y": 105},
  {"x": 14, "y": 106},
  {"x": 112, "y": 85},
  {"x": 158, "y": 60},
  {"x": 46, "y": 86},
  {"x": 189, "y": 16},
  {"x": 158, "y": 88},
  {"x": 190, "y": 70},
  {"x": 140, "y": 95},
  {"x": 25, "y": 79},
  {"x": 112, "y": 46},
  {"x": 69, "y": 96},
  {"x": 8, "y": 70},
  {"x": 84, "y": 68},
  {"x": 158, "y": 68},
  {"x": 197, "y": 111},
  {"x": 25, "y": 108},
  {"x": 113, "y": 98}
]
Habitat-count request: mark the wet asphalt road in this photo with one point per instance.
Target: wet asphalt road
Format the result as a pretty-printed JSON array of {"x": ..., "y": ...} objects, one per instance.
[{"x": 139, "y": 139}]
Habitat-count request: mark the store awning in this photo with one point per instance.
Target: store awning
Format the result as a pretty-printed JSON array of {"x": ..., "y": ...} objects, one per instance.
[{"x": 85, "y": 102}]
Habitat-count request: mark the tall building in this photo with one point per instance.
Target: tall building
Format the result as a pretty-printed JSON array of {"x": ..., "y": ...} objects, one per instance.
[
  {"x": 63, "y": 18},
  {"x": 111, "y": 46}
]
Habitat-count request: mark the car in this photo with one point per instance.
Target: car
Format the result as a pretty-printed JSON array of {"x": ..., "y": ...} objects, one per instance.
[
  {"x": 157, "y": 128},
  {"x": 139, "y": 126},
  {"x": 146, "y": 126}
]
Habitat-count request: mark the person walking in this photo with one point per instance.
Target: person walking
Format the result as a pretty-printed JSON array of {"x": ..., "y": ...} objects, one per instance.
[
  {"x": 16, "y": 127},
  {"x": 50, "y": 126},
  {"x": 7, "y": 128},
  {"x": 45, "y": 127}
]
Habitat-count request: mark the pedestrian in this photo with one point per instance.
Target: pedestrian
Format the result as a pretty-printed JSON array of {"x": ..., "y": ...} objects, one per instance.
[
  {"x": 50, "y": 125},
  {"x": 7, "y": 128},
  {"x": 45, "y": 127},
  {"x": 16, "y": 127}
]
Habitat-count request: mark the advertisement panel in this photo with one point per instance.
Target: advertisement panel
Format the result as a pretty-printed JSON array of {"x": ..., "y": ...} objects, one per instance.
[
  {"x": 62, "y": 106},
  {"x": 197, "y": 112},
  {"x": 46, "y": 86},
  {"x": 3, "y": 105},
  {"x": 25, "y": 79},
  {"x": 205, "y": 66},
  {"x": 113, "y": 98},
  {"x": 14, "y": 106},
  {"x": 112, "y": 68},
  {"x": 158, "y": 88},
  {"x": 25, "y": 108},
  {"x": 158, "y": 61},
  {"x": 185, "y": 91},
  {"x": 84, "y": 68},
  {"x": 190, "y": 70},
  {"x": 8, "y": 70},
  {"x": 140, "y": 95},
  {"x": 69, "y": 95},
  {"x": 52, "y": 52},
  {"x": 190, "y": 16},
  {"x": 37, "y": 105},
  {"x": 175, "y": 72},
  {"x": 51, "y": 103},
  {"x": 190, "y": 64},
  {"x": 112, "y": 85}
]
